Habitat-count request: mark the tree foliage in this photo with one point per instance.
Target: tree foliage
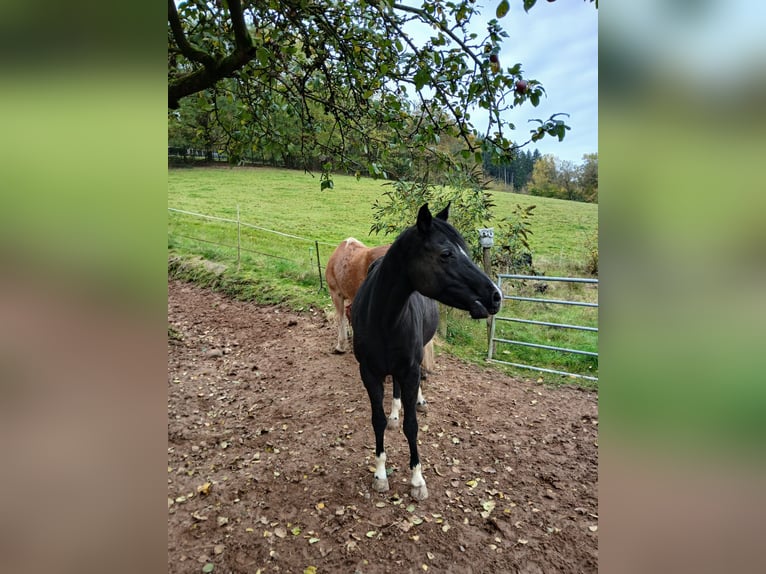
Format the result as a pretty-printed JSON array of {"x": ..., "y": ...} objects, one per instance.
[
  {"x": 552, "y": 177},
  {"x": 513, "y": 253},
  {"x": 350, "y": 85},
  {"x": 515, "y": 172}
]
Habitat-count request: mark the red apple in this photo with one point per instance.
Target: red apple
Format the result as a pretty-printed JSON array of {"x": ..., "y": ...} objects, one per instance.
[{"x": 521, "y": 86}]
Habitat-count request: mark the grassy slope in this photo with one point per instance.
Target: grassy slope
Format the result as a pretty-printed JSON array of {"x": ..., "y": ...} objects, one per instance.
[{"x": 291, "y": 202}]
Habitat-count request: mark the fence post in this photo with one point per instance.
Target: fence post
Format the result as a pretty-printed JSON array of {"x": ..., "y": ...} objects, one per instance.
[
  {"x": 319, "y": 266},
  {"x": 486, "y": 240},
  {"x": 238, "y": 238}
]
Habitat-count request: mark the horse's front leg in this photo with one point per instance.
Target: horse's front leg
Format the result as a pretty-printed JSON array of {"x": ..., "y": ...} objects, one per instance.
[
  {"x": 374, "y": 386},
  {"x": 410, "y": 385},
  {"x": 340, "y": 312}
]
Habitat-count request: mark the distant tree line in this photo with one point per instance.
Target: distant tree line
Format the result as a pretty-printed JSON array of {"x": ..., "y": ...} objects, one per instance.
[
  {"x": 515, "y": 172},
  {"x": 211, "y": 121}
]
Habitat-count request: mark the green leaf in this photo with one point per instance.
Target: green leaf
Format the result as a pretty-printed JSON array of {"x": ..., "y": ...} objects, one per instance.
[
  {"x": 502, "y": 8},
  {"x": 528, "y": 4},
  {"x": 207, "y": 568},
  {"x": 421, "y": 78}
]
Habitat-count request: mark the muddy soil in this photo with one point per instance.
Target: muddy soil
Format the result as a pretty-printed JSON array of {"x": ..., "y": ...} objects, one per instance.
[{"x": 271, "y": 450}]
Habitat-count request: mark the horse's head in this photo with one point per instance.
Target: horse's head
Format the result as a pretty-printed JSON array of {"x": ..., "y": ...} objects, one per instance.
[{"x": 440, "y": 267}]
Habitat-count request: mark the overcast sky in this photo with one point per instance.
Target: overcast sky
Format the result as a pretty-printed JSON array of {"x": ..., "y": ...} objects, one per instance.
[{"x": 557, "y": 44}]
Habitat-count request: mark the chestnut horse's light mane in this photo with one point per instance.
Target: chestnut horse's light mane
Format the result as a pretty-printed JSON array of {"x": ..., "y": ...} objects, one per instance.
[{"x": 353, "y": 240}]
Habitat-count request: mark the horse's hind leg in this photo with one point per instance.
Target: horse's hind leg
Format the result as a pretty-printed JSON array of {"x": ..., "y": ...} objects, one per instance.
[
  {"x": 374, "y": 386},
  {"x": 396, "y": 405},
  {"x": 410, "y": 387},
  {"x": 427, "y": 366}
]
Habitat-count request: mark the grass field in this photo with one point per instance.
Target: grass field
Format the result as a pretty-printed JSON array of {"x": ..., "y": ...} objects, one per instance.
[{"x": 279, "y": 269}]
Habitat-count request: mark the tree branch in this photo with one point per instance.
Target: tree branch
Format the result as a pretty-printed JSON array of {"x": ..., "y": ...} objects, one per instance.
[
  {"x": 187, "y": 49},
  {"x": 213, "y": 69}
]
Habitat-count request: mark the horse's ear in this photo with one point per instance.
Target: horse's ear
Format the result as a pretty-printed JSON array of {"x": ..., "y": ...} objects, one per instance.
[
  {"x": 444, "y": 213},
  {"x": 424, "y": 219}
]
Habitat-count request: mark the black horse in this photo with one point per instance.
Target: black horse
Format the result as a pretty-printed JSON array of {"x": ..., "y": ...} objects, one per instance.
[{"x": 394, "y": 314}]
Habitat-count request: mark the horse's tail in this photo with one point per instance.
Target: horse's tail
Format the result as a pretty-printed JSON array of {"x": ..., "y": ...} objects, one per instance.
[{"x": 429, "y": 360}]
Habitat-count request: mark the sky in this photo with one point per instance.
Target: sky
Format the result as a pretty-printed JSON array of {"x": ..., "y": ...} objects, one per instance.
[{"x": 557, "y": 44}]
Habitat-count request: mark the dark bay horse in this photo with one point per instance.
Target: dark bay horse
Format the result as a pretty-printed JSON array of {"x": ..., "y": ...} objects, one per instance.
[
  {"x": 394, "y": 313},
  {"x": 345, "y": 272}
]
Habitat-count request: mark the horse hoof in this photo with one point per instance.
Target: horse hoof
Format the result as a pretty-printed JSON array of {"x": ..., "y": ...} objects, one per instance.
[
  {"x": 380, "y": 484},
  {"x": 339, "y": 351},
  {"x": 419, "y": 492},
  {"x": 422, "y": 407}
]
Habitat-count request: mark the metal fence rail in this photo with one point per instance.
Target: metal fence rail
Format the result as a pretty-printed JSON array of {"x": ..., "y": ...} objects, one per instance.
[{"x": 493, "y": 339}]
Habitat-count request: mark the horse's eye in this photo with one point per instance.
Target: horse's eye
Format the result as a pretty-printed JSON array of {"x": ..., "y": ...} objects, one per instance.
[{"x": 446, "y": 254}]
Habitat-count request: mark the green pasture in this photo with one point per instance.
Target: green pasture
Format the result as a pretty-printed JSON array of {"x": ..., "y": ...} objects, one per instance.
[{"x": 276, "y": 268}]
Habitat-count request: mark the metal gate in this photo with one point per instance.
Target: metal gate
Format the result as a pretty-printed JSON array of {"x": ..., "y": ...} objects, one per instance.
[{"x": 541, "y": 279}]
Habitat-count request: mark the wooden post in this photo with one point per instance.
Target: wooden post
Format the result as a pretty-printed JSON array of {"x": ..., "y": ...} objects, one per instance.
[
  {"x": 319, "y": 265},
  {"x": 238, "y": 238},
  {"x": 487, "y": 240},
  {"x": 488, "y": 271}
]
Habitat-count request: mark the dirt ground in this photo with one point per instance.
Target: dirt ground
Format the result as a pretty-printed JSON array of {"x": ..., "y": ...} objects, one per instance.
[{"x": 270, "y": 454}]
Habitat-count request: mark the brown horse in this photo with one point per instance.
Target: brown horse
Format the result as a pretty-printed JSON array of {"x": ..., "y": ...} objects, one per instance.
[{"x": 346, "y": 270}]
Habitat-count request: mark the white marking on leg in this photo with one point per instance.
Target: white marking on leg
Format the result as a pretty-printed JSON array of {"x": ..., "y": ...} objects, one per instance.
[
  {"x": 421, "y": 400},
  {"x": 380, "y": 478},
  {"x": 417, "y": 476},
  {"x": 419, "y": 490},
  {"x": 380, "y": 466},
  {"x": 396, "y": 406}
]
